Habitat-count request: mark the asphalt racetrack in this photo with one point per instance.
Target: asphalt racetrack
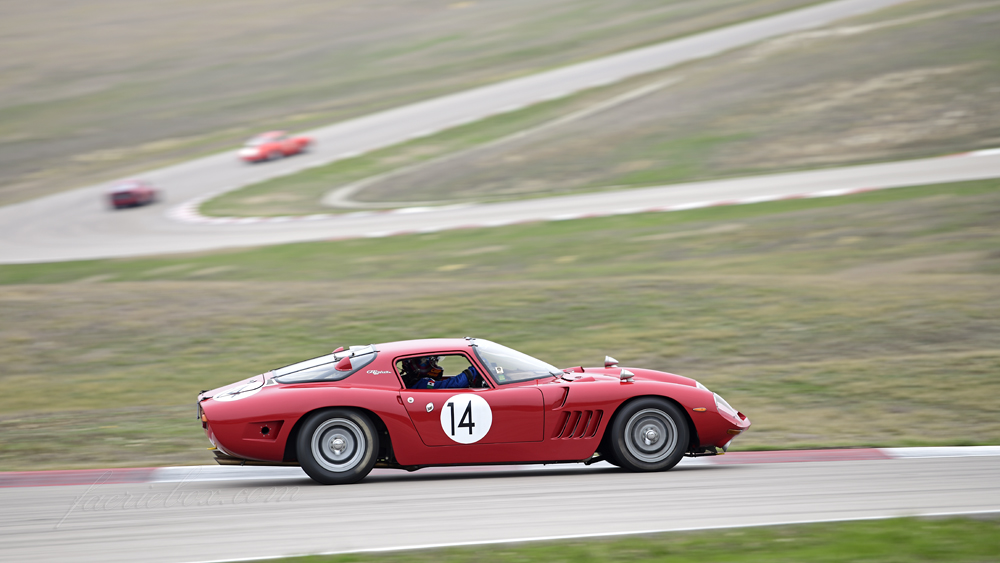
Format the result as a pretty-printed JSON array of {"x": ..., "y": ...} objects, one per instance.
[
  {"x": 78, "y": 225},
  {"x": 190, "y": 517}
]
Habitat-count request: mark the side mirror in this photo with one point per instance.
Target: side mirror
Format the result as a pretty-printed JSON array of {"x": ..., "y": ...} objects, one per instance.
[{"x": 610, "y": 362}]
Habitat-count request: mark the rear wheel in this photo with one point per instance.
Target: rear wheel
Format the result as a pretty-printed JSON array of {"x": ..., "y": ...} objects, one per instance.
[
  {"x": 648, "y": 434},
  {"x": 337, "y": 446}
]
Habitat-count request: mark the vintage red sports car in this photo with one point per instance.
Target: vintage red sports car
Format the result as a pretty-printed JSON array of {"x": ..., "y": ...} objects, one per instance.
[
  {"x": 273, "y": 145},
  {"x": 131, "y": 193},
  {"x": 342, "y": 414}
]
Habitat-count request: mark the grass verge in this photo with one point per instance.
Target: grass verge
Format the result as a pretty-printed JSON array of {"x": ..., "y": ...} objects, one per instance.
[{"x": 884, "y": 541}]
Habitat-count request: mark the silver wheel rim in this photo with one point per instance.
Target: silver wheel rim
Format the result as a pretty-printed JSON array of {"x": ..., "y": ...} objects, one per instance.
[
  {"x": 338, "y": 445},
  {"x": 651, "y": 435}
]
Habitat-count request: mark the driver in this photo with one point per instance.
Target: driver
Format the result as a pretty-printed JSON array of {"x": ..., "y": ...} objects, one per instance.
[{"x": 425, "y": 373}]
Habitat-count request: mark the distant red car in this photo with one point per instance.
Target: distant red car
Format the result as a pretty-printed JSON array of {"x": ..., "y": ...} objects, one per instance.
[
  {"x": 131, "y": 193},
  {"x": 342, "y": 414},
  {"x": 273, "y": 145}
]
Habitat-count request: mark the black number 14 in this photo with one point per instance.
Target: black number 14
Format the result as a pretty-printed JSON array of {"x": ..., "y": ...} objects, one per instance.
[{"x": 465, "y": 422}]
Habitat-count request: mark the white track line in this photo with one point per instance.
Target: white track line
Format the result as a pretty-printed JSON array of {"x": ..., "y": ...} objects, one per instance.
[{"x": 962, "y": 451}]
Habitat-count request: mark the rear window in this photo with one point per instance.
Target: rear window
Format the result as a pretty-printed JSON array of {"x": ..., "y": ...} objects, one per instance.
[{"x": 324, "y": 368}]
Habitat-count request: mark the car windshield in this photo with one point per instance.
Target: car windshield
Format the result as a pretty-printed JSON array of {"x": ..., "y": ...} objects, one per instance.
[
  {"x": 324, "y": 368},
  {"x": 508, "y": 365},
  {"x": 260, "y": 140}
]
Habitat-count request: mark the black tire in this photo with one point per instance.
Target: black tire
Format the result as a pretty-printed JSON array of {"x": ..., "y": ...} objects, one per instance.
[
  {"x": 275, "y": 155},
  {"x": 337, "y": 446},
  {"x": 604, "y": 449},
  {"x": 648, "y": 434}
]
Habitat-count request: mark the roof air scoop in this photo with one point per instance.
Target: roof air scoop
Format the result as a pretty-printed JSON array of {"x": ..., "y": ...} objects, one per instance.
[{"x": 610, "y": 362}]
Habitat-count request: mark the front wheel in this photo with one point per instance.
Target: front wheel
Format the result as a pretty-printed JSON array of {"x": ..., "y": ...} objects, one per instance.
[
  {"x": 337, "y": 446},
  {"x": 649, "y": 434}
]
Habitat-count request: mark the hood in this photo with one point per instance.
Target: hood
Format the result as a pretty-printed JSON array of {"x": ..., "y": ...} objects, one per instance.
[{"x": 638, "y": 373}]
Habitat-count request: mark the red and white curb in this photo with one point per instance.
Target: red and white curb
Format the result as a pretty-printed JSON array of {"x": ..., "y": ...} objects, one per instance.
[
  {"x": 201, "y": 473},
  {"x": 188, "y": 212}
]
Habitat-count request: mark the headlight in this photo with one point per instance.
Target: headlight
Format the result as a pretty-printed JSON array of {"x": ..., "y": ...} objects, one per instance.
[
  {"x": 723, "y": 406},
  {"x": 700, "y": 386}
]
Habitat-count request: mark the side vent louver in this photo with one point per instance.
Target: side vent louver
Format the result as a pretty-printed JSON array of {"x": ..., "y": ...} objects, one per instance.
[{"x": 578, "y": 424}]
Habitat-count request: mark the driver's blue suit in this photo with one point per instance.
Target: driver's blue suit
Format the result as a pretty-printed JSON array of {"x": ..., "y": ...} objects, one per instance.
[{"x": 463, "y": 379}]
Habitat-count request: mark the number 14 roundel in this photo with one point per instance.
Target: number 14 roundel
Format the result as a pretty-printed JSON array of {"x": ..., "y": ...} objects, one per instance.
[{"x": 466, "y": 418}]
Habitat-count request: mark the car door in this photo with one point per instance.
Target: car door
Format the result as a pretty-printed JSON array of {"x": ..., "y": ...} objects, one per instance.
[
  {"x": 448, "y": 417},
  {"x": 287, "y": 145}
]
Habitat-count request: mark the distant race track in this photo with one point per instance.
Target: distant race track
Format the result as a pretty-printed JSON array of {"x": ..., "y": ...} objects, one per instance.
[{"x": 77, "y": 225}]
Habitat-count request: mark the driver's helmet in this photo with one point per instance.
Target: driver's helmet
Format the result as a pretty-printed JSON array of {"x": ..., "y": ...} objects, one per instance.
[{"x": 415, "y": 369}]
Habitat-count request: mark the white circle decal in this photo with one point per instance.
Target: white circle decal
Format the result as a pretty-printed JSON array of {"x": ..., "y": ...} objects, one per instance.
[{"x": 466, "y": 418}]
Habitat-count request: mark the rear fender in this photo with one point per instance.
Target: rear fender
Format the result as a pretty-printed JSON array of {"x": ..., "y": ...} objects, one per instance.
[
  {"x": 385, "y": 438},
  {"x": 291, "y": 404}
]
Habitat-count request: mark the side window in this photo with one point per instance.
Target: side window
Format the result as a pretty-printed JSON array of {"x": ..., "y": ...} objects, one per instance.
[
  {"x": 453, "y": 365},
  {"x": 438, "y": 371}
]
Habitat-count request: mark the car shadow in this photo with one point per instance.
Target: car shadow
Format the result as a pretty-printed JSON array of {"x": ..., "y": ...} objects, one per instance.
[
  {"x": 479, "y": 472},
  {"x": 431, "y": 474}
]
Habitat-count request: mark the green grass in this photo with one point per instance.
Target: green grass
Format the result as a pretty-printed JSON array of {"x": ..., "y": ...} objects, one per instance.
[
  {"x": 954, "y": 540},
  {"x": 869, "y": 319}
]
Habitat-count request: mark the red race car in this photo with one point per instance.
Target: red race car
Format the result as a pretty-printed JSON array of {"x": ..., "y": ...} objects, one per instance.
[
  {"x": 131, "y": 193},
  {"x": 273, "y": 145},
  {"x": 421, "y": 403}
]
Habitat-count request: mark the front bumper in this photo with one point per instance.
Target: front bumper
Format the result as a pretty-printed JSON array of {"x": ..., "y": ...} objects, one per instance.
[{"x": 738, "y": 425}]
